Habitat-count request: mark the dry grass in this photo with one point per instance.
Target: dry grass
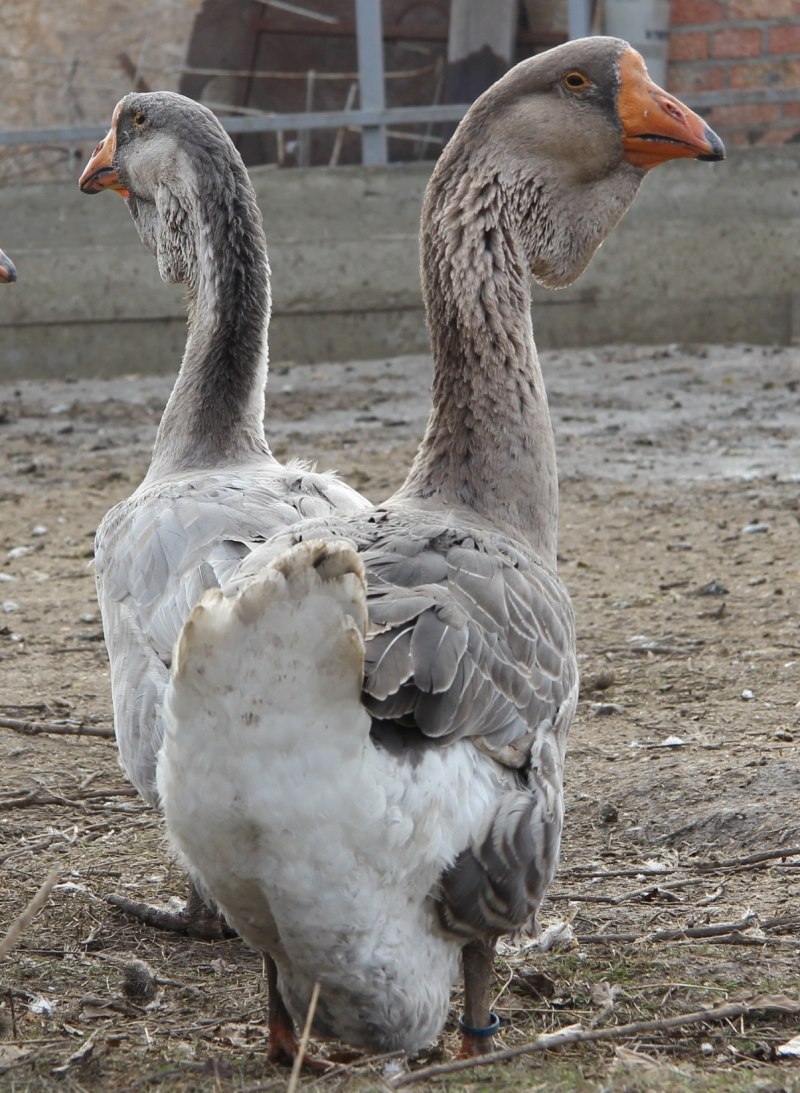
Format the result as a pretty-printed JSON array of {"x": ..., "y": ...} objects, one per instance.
[{"x": 669, "y": 658}]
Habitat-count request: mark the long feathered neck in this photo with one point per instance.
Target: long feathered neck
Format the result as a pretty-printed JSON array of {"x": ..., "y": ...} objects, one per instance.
[
  {"x": 210, "y": 237},
  {"x": 489, "y": 443}
]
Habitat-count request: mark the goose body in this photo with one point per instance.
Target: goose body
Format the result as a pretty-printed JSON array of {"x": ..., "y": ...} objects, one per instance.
[
  {"x": 361, "y": 862},
  {"x": 366, "y": 726},
  {"x": 213, "y": 489}
]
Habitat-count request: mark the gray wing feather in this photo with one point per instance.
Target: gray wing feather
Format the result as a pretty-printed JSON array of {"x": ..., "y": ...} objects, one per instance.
[
  {"x": 403, "y": 571},
  {"x": 156, "y": 554},
  {"x": 496, "y": 884},
  {"x": 399, "y": 608},
  {"x": 437, "y": 649},
  {"x": 489, "y": 634},
  {"x": 387, "y": 664},
  {"x": 492, "y": 648},
  {"x": 138, "y": 679},
  {"x": 478, "y": 583}
]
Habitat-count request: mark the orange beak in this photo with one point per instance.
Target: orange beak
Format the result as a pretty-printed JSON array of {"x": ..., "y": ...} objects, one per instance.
[
  {"x": 8, "y": 270},
  {"x": 656, "y": 126},
  {"x": 100, "y": 173}
]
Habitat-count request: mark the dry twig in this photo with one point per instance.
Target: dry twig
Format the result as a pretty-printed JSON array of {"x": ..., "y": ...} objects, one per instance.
[
  {"x": 54, "y": 728},
  {"x": 577, "y": 1035},
  {"x": 40, "y": 796},
  {"x": 764, "y": 856},
  {"x": 20, "y": 924},
  {"x": 713, "y": 930},
  {"x": 627, "y": 897},
  {"x": 27, "y": 848},
  {"x": 297, "y": 1066},
  {"x": 751, "y": 859}
]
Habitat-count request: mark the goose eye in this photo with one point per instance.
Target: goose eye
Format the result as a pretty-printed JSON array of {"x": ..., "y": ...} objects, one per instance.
[
  {"x": 139, "y": 118},
  {"x": 575, "y": 81}
]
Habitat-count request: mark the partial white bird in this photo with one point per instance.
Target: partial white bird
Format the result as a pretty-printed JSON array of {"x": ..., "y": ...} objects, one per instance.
[
  {"x": 8, "y": 271},
  {"x": 366, "y": 728}
]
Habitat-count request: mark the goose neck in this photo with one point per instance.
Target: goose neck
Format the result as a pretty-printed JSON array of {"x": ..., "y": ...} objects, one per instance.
[
  {"x": 215, "y": 413},
  {"x": 488, "y": 445}
]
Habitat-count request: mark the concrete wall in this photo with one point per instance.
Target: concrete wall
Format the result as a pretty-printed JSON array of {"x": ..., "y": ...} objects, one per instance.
[{"x": 707, "y": 253}]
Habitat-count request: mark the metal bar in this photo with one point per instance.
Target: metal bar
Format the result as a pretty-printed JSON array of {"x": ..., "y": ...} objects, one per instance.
[
  {"x": 394, "y": 32},
  {"x": 370, "y": 77},
  {"x": 62, "y": 135},
  {"x": 579, "y": 18},
  {"x": 295, "y": 9},
  {"x": 398, "y": 115},
  {"x": 262, "y": 123},
  {"x": 304, "y": 136},
  {"x": 263, "y": 74}
]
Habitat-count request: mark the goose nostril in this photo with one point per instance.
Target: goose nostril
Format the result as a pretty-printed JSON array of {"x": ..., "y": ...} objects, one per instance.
[{"x": 673, "y": 110}]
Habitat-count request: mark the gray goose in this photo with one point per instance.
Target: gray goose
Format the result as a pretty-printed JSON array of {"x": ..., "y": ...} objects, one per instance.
[
  {"x": 8, "y": 271},
  {"x": 213, "y": 489},
  {"x": 366, "y": 728}
]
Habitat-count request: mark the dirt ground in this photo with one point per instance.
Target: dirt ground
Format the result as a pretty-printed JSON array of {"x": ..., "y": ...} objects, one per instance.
[{"x": 680, "y": 471}]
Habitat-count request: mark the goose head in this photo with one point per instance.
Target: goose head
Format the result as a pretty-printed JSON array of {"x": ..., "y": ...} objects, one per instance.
[
  {"x": 8, "y": 271},
  {"x": 564, "y": 139},
  {"x": 183, "y": 181}
]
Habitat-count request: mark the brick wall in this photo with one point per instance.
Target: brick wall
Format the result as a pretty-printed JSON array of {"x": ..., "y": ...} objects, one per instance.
[{"x": 738, "y": 63}]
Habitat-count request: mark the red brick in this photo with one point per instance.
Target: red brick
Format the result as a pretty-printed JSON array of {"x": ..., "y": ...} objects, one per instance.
[
  {"x": 791, "y": 110},
  {"x": 762, "y": 9},
  {"x": 736, "y": 42},
  {"x": 746, "y": 114},
  {"x": 784, "y": 38},
  {"x": 779, "y": 136},
  {"x": 688, "y": 46},
  {"x": 766, "y": 74},
  {"x": 746, "y": 136},
  {"x": 691, "y": 12},
  {"x": 689, "y": 77}
]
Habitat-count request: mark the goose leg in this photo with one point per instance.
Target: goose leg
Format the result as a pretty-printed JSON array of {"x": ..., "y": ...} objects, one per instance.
[
  {"x": 196, "y": 919},
  {"x": 478, "y": 1022},
  {"x": 283, "y": 1043},
  {"x": 282, "y": 1039}
]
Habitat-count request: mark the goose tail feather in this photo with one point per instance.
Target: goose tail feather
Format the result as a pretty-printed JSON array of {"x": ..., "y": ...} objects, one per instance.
[{"x": 265, "y": 670}]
